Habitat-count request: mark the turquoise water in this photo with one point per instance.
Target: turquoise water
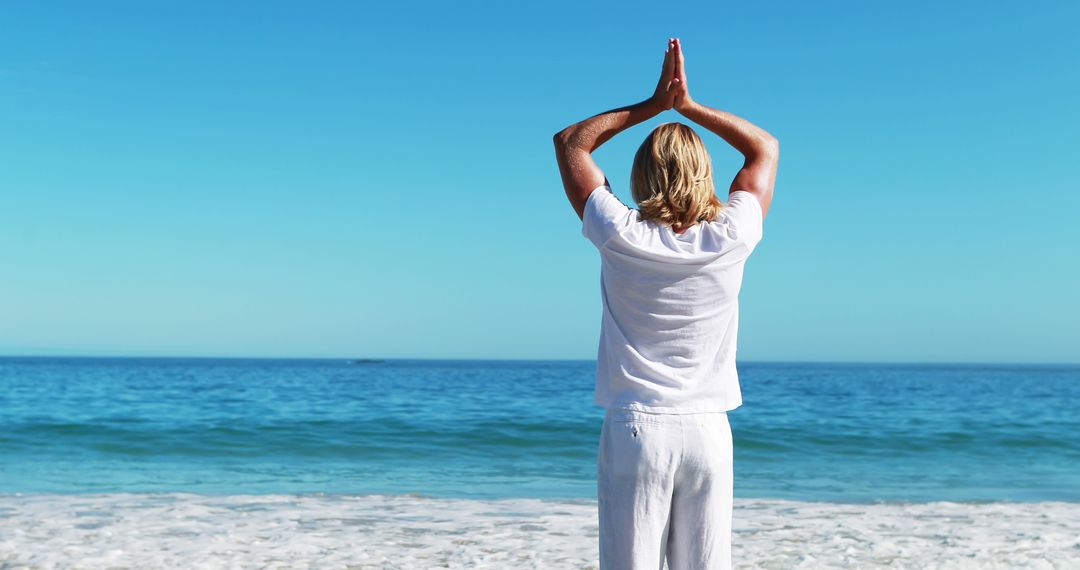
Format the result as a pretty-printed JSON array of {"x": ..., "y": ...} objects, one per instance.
[{"x": 492, "y": 429}]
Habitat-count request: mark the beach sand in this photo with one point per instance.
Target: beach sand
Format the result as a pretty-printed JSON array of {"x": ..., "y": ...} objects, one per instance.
[{"x": 182, "y": 530}]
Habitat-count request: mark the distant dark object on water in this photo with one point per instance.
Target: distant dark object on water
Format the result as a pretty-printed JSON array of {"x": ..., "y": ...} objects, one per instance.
[{"x": 367, "y": 361}]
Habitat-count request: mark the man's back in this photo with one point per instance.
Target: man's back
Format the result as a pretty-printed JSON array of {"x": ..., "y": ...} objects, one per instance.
[{"x": 671, "y": 314}]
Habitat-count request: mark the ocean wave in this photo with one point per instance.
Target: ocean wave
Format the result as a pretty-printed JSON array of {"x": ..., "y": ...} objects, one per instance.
[{"x": 185, "y": 530}]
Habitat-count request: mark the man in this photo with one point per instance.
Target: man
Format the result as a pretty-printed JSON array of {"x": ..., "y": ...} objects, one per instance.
[{"x": 671, "y": 271}]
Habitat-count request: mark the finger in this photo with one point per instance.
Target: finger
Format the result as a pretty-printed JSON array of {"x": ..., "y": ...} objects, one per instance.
[{"x": 680, "y": 62}]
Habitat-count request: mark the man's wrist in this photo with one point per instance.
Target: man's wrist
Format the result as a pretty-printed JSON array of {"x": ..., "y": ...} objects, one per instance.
[
  {"x": 653, "y": 105},
  {"x": 686, "y": 105}
]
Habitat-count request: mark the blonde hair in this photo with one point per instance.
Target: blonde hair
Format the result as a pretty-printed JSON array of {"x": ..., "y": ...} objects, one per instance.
[{"x": 671, "y": 179}]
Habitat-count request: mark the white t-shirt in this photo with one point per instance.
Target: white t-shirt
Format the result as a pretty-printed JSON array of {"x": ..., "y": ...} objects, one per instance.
[{"x": 671, "y": 305}]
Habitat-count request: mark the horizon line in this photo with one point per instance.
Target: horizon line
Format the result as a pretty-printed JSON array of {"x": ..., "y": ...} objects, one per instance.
[{"x": 375, "y": 360}]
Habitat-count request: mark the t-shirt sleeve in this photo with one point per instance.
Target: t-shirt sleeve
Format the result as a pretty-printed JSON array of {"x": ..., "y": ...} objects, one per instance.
[
  {"x": 605, "y": 216},
  {"x": 743, "y": 209}
]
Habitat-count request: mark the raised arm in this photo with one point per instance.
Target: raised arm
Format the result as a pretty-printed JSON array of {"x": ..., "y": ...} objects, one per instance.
[
  {"x": 760, "y": 149},
  {"x": 574, "y": 144}
]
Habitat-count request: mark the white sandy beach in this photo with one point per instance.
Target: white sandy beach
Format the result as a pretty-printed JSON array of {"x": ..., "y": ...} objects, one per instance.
[{"x": 180, "y": 530}]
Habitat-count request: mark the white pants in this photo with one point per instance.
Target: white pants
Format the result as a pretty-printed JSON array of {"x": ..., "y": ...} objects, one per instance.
[{"x": 665, "y": 485}]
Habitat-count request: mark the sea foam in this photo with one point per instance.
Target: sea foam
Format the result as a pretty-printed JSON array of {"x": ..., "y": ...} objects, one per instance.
[{"x": 184, "y": 530}]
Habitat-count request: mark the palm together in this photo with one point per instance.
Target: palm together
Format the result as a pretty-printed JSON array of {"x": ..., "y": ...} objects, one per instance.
[{"x": 671, "y": 90}]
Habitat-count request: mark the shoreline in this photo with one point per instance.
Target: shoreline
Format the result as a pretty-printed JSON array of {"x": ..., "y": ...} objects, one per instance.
[
  {"x": 178, "y": 529},
  {"x": 543, "y": 499}
]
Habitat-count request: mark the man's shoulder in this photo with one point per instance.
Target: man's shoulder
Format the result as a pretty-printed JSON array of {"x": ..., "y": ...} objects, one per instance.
[{"x": 605, "y": 216}]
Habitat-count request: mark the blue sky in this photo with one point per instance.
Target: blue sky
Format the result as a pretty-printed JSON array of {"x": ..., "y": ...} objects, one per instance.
[{"x": 286, "y": 179}]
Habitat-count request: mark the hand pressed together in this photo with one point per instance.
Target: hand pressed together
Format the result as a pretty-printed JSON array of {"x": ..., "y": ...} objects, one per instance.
[
  {"x": 682, "y": 90},
  {"x": 671, "y": 90}
]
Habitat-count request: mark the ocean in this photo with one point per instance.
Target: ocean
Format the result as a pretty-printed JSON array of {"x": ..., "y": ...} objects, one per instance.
[
  {"x": 512, "y": 439},
  {"x": 495, "y": 429}
]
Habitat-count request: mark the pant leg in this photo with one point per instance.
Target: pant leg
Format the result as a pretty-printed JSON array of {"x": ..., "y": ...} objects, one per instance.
[
  {"x": 635, "y": 478},
  {"x": 700, "y": 534}
]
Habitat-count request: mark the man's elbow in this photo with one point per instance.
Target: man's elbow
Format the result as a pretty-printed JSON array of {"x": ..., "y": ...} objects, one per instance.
[
  {"x": 573, "y": 139},
  {"x": 768, "y": 147},
  {"x": 562, "y": 138}
]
